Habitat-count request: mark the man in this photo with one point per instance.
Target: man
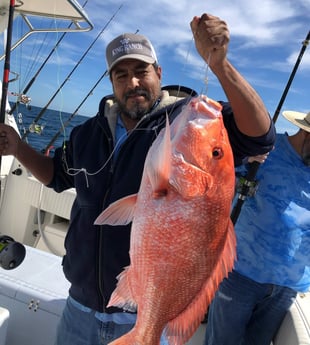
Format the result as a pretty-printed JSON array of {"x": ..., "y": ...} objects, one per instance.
[
  {"x": 273, "y": 247},
  {"x": 104, "y": 160}
]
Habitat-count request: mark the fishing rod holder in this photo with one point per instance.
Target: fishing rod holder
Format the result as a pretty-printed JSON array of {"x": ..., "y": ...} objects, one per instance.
[
  {"x": 246, "y": 187},
  {"x": 12, "y": 253}
]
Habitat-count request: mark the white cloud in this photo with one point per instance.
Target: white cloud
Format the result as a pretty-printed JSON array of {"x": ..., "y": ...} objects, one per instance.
[{"x": 266, "y": 39}]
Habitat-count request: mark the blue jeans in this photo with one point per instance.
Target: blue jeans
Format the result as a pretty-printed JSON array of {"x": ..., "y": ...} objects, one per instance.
[
  {"x": 245, "y": 312},
  {"x": 77, "y": 327}
]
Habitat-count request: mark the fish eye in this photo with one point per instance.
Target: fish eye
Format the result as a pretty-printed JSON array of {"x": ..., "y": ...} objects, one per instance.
[{"x": 217, "y": 153}]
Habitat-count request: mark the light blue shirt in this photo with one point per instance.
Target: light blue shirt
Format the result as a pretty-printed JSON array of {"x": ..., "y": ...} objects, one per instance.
[
  {"x": 121, "y": 132},
  {"x": 120, "y": 135},
  {"x": 273, "y": 229},
  {"x": 119, "y": 318}
]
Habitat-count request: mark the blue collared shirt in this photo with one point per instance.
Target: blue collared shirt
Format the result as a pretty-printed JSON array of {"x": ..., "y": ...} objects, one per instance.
[
  {"x": 273, "y": 229},
  {"x": 120, "y": 134}
]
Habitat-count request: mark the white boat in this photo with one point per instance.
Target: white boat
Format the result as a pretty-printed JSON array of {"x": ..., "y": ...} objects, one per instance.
[{"x": 32, "y": 295}]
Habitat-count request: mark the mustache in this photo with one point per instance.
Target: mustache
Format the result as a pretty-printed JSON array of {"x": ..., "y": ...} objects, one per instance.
[{"x": 137, "y": 92}]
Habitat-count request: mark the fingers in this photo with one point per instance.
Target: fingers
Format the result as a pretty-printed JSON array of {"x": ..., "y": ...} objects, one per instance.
[
  {"x": 194, "y": 24},
  {"x": 8, "y": 140},
  {"x": 259, "y": 158},
  {"x": 4, "y": 143}
]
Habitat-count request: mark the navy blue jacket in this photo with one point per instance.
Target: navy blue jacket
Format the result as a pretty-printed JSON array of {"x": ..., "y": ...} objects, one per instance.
[{"x": 95, "y": 255}]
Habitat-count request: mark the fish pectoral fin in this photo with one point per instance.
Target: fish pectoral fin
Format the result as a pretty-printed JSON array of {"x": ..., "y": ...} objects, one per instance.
[
  {"x": 191, "y": 181},
  {"x": 120, "y": 212},
  {"x": 122, "y": 296}
]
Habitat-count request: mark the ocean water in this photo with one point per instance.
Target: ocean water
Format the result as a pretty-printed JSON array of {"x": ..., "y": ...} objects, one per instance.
[
  {"x": 52, "y": 123},
  {"x": 49, "y": 126}
]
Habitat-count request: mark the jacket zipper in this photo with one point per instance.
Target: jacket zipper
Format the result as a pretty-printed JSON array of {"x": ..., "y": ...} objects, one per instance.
[{"x": 101, "y": 237}]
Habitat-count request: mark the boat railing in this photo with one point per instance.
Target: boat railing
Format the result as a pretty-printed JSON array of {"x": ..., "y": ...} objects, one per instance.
[{"x": 67, "y": 15}]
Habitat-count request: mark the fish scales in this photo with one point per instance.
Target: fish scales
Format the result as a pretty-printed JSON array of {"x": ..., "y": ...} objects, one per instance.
[{"x": 182, "y": 239}]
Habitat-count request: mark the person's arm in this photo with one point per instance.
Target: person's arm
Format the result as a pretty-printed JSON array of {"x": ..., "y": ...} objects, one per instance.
[
  {"x": 40, "y": 166},
  {"x": 211, "y": 37}
]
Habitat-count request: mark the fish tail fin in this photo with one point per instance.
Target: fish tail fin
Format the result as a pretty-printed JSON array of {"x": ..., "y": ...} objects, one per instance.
[{"x": 185, "y": 324}]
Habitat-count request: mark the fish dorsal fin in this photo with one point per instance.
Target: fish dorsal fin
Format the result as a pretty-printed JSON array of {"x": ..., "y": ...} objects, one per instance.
[
  {"x": 120, "y": 212},
  {"x": 159, "y": 167}
]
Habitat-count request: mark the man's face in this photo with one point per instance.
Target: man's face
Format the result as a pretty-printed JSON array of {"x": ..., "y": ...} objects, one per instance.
[{"x": 136, "y": 87}]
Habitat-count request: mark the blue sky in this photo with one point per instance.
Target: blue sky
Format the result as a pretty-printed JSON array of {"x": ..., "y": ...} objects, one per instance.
[{"x": 266, "y": 38}]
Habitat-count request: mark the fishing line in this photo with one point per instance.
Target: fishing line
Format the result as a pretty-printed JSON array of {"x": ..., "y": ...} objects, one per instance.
[
  {"x": 50, "y": 144},
  {"x": 76, "y": 171},
  {"x": 32, "y": 80},
  {"x": 207, "y": 72},
  {"x": 205, "y": 68},
  {"x": 34, "y": 54},
  {"x": 58, "y": 82},
  {"x": 186, "y": 60},
  {"x": 178, "y": 93},
  {"x": 40, "y": 228},
  {"x": 65, "y": 124}
]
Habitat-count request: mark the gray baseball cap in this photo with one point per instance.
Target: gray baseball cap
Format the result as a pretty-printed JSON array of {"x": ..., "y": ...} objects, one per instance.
[{"x": 129, "y": 46}]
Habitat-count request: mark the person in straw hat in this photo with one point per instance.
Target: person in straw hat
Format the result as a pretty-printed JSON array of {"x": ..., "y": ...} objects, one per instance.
[
  {"x": 300, "y": 141},
  {"x": 273, "y": 246}
]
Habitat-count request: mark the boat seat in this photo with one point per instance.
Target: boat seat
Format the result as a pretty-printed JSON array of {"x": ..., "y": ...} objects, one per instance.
[
  {"x": 295, "y": 328},
  {"x": 4, "y": 319},
  {"x": 54, "y": 237}
]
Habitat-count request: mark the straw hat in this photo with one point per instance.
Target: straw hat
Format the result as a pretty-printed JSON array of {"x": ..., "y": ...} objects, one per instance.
[{"x": 301, "y": 120}]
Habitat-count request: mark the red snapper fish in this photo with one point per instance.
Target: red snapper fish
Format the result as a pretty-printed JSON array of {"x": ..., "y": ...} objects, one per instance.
[{"x": 182, "y": 239}]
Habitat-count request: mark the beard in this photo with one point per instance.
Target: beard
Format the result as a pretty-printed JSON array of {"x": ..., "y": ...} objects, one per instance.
[
  {"x": 137, "y": 110},
  {"x": 306, "y": 160},
  {"x": 305, "y": 151}
]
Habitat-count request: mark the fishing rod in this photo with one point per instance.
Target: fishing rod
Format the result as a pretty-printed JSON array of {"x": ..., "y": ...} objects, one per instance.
[
  {"x": 249, "y": 183},
  {"x": 12, "y": 253},
  {"x": 6, "y": 70},
  {"x": 64, "y": 125},
  {"x": 32, "y": 80},
  {"x": 72, "y": 71},
  {"x": 303, "y": 48}
]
